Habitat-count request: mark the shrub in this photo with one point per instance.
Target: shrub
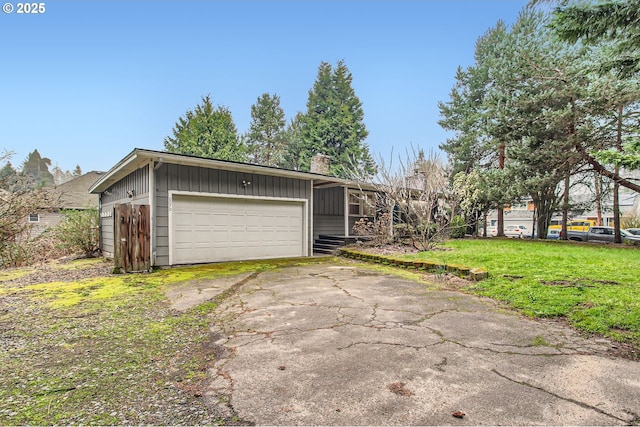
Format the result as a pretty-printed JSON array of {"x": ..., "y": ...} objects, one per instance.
[
  {"x": 632, "y": 221},
  {"x": 457, "y": 227},
  {"x": 377, "y": 230},
  {"x": 77, "y": 233}
]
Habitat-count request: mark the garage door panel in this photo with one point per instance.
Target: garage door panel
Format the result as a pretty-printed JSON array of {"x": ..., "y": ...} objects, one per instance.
[{"x": 210, "y": 229}]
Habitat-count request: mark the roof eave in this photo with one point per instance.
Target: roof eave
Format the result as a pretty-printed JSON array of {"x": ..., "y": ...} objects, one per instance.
[{"x": 139, "y": 157}]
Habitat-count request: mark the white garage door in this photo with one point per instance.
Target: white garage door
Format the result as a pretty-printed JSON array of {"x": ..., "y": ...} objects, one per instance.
[{"x": 210, "y": 229}]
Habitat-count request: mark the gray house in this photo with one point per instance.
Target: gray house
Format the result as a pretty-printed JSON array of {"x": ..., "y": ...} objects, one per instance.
[
  {"x": 205, "y": 210},
  {"x": 70, "y": 195}
]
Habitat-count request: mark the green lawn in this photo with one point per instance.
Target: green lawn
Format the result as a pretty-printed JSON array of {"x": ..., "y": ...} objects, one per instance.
[{"x": 597, "y": 288}]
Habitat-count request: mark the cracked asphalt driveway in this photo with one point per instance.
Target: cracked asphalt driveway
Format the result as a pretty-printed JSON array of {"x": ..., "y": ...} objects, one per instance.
[{"x": 333, "y": 344}]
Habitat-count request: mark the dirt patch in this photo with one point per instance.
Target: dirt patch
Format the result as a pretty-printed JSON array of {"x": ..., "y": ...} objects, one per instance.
[
  {"x": 578, "y": 283},
  {"x": 126, "y": 359},
  {"x": 392, "y": 249},
  {"x": 61, "y": 271},
  {"x": 567, "y": 283}
]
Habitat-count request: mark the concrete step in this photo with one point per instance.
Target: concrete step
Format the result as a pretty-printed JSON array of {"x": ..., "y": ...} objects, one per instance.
[
  {"x": 324, "y": 245},
  {"x": 323, "y": 251}
]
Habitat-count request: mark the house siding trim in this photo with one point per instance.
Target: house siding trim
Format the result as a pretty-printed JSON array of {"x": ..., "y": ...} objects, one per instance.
[
  {"x": 310, "y": 210},
  {"x": 346, "y": 210},
  {"x": 152, "y": 210}
]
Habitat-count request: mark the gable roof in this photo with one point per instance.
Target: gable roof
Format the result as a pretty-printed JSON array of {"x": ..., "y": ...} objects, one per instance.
[
  {"x": 74, "y": 194},
  {"x": 140, "y": 157}
]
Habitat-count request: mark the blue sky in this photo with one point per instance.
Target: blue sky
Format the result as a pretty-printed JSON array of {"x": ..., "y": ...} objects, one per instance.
[{"x": 87, "y": 81}]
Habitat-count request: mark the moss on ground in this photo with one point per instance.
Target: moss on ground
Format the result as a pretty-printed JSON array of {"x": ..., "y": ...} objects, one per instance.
[{"x": 108, "y": 350}]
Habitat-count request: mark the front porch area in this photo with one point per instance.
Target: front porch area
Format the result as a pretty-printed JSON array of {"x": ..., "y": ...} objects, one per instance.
[{"x": 328, "y": 244}]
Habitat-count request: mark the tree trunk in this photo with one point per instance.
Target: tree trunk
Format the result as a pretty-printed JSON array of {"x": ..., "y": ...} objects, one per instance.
[
  {"x": 616, "y": 186},
  {"x": 500, "y": 228},
  {"x": 565, "y": 206},
  {"x": 616, "y": 213},
  {"x": 484, "y": 223},
  {"x": 597, "y": 182}
]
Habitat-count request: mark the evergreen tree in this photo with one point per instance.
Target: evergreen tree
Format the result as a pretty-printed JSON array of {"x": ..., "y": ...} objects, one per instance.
[
  {"x": 77, "y": 171},
  {"x": 467, "y": 113},
  {"x": 334, "y": 124},
  {"x": 616, "y": 22},
  {"x": 294, "y": 146},
  {"x": 206, "y": 132},
  {"x": 8, "y": 177},
  {"x": 36, "y": 168},
  {"x": 478, "y": 142},
  {"x": 266, "y": 136}
]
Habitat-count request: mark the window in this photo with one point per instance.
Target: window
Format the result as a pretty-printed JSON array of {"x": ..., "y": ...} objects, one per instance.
[
  {"x": 362, "y": 204},
  {"x": 34, "y": 217}
]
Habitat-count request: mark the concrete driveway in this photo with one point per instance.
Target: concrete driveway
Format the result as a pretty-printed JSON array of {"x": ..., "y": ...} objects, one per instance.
[{"x": 342, "y": 345}]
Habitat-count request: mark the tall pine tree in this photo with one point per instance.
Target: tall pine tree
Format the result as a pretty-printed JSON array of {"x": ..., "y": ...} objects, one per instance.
[
  {"x": 334, "y": 124},
  {"x": 266, "y": 136},
  {"x": 206, "y": 132},
  {"x": 294, "y": 145},
  {"x": 36, "y": 167}
]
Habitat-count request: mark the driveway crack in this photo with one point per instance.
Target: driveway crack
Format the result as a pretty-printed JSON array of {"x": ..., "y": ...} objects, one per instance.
[{"x": 557, "y": 396}]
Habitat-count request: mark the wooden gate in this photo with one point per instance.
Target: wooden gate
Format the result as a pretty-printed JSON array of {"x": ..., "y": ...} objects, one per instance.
[{"x": 132, "y": 239}]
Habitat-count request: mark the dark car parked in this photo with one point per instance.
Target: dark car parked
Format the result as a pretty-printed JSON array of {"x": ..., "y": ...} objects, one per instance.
[{"x": 602, "y": 235}]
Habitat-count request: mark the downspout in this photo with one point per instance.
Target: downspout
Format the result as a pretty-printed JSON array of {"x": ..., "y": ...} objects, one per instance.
[
  {"x": 152, "y": 208},
  {"x": 100, "y": 222},
  {"x": 346, "y": 211},
  {"x": 310, "y": 232}
]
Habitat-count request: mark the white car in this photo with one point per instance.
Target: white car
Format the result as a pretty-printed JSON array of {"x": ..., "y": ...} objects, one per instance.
[{"x": 517, "y": 232}]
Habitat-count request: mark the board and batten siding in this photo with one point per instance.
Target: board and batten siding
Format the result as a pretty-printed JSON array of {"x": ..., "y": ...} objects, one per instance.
[
  {"x": 194, "y": 179},
  {"x": 328, "y": 211},
  {"x": 136, "y": 182}
]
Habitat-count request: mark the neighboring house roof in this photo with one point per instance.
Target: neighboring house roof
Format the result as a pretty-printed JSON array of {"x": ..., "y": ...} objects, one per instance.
[
  {"x": 74, "y": 194},
  {"x": 140, "y": 157}
]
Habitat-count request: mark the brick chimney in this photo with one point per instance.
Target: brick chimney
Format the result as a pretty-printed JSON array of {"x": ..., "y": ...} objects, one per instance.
[{"x": 320, "y": 164}]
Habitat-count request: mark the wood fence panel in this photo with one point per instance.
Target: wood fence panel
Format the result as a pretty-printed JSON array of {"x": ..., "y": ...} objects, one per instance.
[{"x": 132, "y": 245}]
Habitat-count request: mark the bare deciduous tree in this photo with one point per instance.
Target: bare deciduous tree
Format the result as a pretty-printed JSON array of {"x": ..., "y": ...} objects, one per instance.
[
  {"x": 413, "y": 192},
  {"x": 18, "y": 200}
]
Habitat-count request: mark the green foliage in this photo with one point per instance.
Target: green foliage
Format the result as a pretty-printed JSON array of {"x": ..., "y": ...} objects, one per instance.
[
  {"x": 37, "y": 168},
  {"x": 206, "y": 132},
  {"x": 458, "y": 227},
  {"x": 629, "y": 157},
  {"x": 592, "y": 286},
  {"x": 8, "y": 177},
  {"x": 467, "y": 112},
  {"x": 78, "y": 232},
  {"x": 334, "y": 124},
  {"x": 479, "y": 190},
  {"x": 540, "y": 99},
  {"x": 266, "y": 137},
  {"x": 294, "y": 147},
  {"x": 616, "y": 23}
]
